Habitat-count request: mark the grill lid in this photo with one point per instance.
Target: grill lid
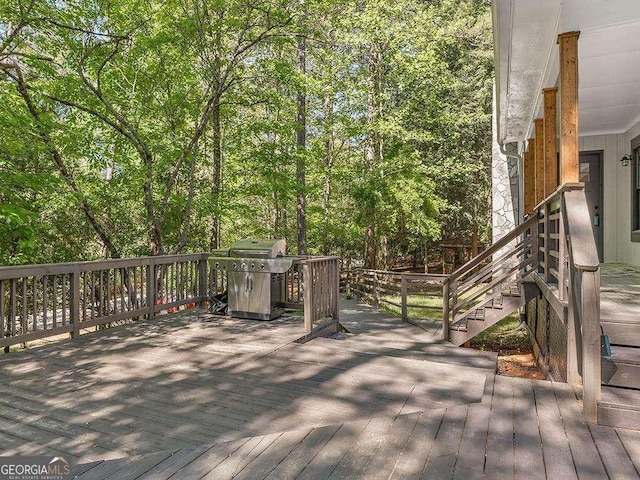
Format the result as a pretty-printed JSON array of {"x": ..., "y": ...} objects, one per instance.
[{"x": 258, "y": 248}]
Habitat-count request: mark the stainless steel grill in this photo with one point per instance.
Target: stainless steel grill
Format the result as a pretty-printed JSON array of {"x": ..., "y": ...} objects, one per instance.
[{"x": 255, "y": 270}]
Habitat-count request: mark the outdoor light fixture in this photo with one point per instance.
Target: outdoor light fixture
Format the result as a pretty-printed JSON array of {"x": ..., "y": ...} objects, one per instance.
[{"x": 626, "y": 160}]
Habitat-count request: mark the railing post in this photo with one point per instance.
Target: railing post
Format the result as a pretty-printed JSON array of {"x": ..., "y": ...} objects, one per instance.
[
  {"x": 151, "y": 288},
  {"x": 336, "y": 292},
  {"x": 376, "y": 297},
  {"x": 403, "y": 293},
  {"x": 445, "y": 310},
  {"x": 545, "y": 252},
  {"x": 535, "y": 241},
  {"x": 591, "y": 368},
  {"x": 74, "y": 314},
  {"x": 562, "y": 254},
  {"x": 573, "y": 375},
  {"x": 307, "y": 292},
  {"x": 202, "y": 280},
  {"x": 454, "y": 298}
]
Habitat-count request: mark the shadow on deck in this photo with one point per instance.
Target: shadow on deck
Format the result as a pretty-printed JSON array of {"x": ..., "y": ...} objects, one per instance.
[{"x": 193, "y": 395}]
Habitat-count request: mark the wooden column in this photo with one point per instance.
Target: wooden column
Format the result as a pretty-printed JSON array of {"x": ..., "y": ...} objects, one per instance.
[
  {"x": 569, "y": 159},
  {"x": 539, "y": 153},
  {"x": 550, "y": 149},
  {"x": 529, "y": 178}
]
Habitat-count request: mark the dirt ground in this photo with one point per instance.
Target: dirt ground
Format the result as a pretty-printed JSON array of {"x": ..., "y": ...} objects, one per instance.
[
  {"x": 515, "y": 355},
  {"x": 519, "y": 365}
]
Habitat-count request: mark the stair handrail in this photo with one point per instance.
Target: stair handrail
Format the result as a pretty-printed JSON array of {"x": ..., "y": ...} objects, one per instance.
[
  {"x": 504, "y": 241},
  {"x": 584, "y": 300}
]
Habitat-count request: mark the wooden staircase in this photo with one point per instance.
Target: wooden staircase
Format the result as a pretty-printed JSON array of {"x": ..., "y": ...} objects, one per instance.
[
  {"x": 619, "y": 405},
  {"x": 492, "y": 285},
  {"x": 489, "y": 312}
]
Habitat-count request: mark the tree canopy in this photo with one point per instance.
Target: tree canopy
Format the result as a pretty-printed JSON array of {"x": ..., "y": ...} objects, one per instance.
[{"x": 360, "y": 129}]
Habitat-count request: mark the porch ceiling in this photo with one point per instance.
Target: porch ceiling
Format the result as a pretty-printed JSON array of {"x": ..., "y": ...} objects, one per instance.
[{"x": 526, "y": 58}]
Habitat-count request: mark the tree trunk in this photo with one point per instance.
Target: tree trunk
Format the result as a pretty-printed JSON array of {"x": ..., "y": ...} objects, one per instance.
[
  {"x": 48, "y": 142},
  {"x": 372, "y": 155},
  {"x": 329, "y": 151},
  {"x": 301, "y": 143},
  {"x": 214, "y": 237}
]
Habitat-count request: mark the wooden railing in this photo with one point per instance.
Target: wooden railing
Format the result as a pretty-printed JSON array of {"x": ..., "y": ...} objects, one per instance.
[
  {"x": 569, "y": 275},
  {"x": 320, "y": 287},
  {"x": 483, "y": 277},
  {"x": 40, "y": 301},
  {"x": 415, "y": 296}
]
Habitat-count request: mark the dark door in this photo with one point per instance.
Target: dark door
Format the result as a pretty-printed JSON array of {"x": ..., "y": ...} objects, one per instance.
[{"x": 591, "y": 176}]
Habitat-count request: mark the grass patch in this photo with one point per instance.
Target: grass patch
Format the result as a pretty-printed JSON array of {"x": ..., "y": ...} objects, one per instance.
[
  {"x": 503, "y": 339},
  {"x": 423, "y": 307}
]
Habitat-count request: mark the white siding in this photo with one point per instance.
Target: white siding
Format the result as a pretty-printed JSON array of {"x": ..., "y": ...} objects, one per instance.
[{"x": 617, "y": 194}]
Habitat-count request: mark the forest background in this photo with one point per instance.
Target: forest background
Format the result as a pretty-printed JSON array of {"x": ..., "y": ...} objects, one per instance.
[{"x": 148, "y": 127}]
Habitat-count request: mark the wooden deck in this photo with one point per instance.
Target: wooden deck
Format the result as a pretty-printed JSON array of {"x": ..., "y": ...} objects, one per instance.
[
  {"x": 619, "y": 304},
  {"x": 620, "y": 296},
  {"x": 193, "y": 396}
]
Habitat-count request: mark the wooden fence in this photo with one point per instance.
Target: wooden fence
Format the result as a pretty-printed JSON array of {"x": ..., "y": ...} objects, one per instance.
[{"x": 416, "y": 296}]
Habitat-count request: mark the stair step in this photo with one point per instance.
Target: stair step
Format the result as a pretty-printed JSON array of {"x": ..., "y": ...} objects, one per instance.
[
  {"x": 460, "y": 325},
  {"x": 411, "y": 349},
  {"x": 477, "y": 314},
  {"x": 622, "y": 368},
  {"x": 497, "y": 302},
  {"x": 479, "y": 319},
  {"x": 619, "y": 407},
  {"x": 625, "y": 333}
]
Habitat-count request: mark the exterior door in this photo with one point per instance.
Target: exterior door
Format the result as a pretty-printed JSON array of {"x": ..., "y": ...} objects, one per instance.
[{"x": 591, "y": 176}]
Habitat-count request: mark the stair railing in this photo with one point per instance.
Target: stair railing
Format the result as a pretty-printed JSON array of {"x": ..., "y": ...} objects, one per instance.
[
  {"x": 583, "y": 295},
  {"x": 569, "y": 278},
  {"x": 484, "y": 276}
]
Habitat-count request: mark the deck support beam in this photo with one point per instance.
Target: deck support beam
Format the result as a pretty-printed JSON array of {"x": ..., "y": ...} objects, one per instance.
[
  {"x": 550, "y": 147},
  {"x": 539, "y": 159},
  {"x": 569, "y": 160},
  {"x": 529, "y": 178}
]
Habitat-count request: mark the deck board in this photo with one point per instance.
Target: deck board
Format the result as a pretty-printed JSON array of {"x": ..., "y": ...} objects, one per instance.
[
  {"x": 585, "y": 455},
  {"x": 446, "y": 449},
  {"x": 527, "y": 441},
  {"x": 191, "y": 396},
  {"x": 631, "y": 441},
  {"x": 411, "y": 463},
  {"x": 500, "y": 448},
  {"x": 558, "y": 462}
]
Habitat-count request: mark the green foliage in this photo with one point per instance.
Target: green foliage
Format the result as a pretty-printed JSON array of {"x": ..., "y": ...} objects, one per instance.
[{"x": 110, "y": 148}]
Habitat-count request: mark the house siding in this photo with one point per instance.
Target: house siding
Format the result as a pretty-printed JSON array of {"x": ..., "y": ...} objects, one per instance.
[{"x": 616, "y": 218}]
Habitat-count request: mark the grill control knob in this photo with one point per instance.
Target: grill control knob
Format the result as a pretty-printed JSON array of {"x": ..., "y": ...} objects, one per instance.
[
  {"x": 243, "y": 265},
  {"x": 217, "y": 264},
  {"x": 262, "y": 266},
  {"x": 253, "y": 265},
  {"x": 235, "y": 265}
]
